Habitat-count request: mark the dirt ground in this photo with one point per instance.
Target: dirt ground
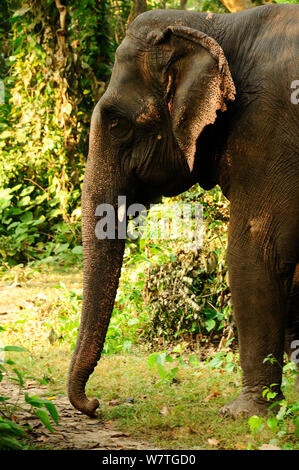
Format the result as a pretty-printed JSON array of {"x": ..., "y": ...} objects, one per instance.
[{"x": 74, "y": 431}]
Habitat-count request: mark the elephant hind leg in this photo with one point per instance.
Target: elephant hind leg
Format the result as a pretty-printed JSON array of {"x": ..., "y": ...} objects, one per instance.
[{"x": 292, "y": 333}]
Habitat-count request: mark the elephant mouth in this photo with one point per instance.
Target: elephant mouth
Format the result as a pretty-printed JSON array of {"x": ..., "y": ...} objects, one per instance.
[{"x": 152, "y": 192}]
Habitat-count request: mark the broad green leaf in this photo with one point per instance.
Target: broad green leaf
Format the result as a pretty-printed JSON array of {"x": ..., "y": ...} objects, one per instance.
[
  {"x": 5, "y": 194},
  {"x": 15, "y": 188},
  {"x": 27, "y": 190},
  {"x": 255, "y": 423},
  {"x": 27, "y": 217},
  {"x": 25, "y": 201},
  {"x": 10, "y": 442},
  {"x": 52, "y": 410},
  {"x": 13, "y": 427},
  {"x": 34, "y": 400},
  {"x": 162, "y": 371},
  {"x": 78, "y": 250},
  {"x": 272, "y": 422},
  {"x": 152, "y": 359},
  {"x": 44, "y": 417},
  {"x": 14, "y": 348},
  {"x": 21, "y": 11},
  {"x": 4, "y": 427},
  {"x": 41, "y": 198},
  {"x": 20, "y": 376},
  {"x": 210, "y": 324}
]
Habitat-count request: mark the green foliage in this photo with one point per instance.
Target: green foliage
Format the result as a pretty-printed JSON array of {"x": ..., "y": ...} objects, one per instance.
[
  {"x": 50, "y": 90},
  {"x": 24, "y": 229},
  {"x": 37, "y": 402},
  {"x": 223, "y": 360},
  {"x": 12, "y": 435},
  {"x": 293, "y": 2},
  {"x": 128, "y": 318},
  {"x": 214, "y": 6},
  {"x": 158, "y": 360},
  {"x": 284, "y": 424},
  {"x": 188, "y": 289}
]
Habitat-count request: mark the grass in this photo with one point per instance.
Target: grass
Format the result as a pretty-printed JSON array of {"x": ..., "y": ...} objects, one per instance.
[
  {"x": 179, "y": 412},
  {"x": 179, "y": 415},
  {"x": 175, "y": 415}
]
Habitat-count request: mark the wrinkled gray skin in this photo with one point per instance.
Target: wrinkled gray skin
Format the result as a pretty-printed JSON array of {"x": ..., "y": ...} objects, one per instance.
[{"x": 203, "y": 98}]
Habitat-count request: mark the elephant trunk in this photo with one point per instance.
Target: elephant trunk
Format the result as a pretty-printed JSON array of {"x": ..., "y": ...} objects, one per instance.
[
  {"x": 102, "y": 269},
  {"x": 102, "y": 265}
]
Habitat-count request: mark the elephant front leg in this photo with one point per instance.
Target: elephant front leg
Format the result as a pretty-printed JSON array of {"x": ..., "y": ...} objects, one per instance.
[{"x": 259, "y": 295}]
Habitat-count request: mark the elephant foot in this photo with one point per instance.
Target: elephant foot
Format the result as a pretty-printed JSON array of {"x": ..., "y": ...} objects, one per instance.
[{"x": 247, "y": 404}]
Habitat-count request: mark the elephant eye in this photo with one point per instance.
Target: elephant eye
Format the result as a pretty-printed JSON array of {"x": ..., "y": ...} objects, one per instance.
[
  {"x": 120, "y": 127},
  {"x": 114, "y": 123}
]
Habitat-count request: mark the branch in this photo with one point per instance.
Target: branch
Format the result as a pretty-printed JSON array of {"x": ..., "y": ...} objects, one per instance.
[{"x": 61, "y": 33}]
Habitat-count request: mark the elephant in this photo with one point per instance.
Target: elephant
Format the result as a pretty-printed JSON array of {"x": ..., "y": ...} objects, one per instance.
[{"x": 210, "y": 99}]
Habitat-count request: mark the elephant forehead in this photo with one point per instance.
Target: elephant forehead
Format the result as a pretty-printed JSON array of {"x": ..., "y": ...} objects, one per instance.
[{"x": 126, "y": 51}]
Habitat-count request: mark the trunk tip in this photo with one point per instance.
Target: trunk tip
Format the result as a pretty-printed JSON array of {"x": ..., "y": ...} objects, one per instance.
[
  {"x": 91, "y": 407},
  {"x": 88, "y": 407}
]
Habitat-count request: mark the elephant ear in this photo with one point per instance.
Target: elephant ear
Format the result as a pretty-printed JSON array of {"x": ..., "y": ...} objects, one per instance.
[{"x": 198, "y": 83}]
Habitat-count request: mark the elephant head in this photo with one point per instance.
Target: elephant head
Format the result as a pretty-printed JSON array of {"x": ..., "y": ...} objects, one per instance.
[{"x": 167, "y": 85}]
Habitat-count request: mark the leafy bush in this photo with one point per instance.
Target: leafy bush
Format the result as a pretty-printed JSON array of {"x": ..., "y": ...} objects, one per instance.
[{"x": 188, "y": 292}]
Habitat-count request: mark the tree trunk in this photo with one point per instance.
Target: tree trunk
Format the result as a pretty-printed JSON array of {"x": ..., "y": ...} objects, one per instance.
[
  {"x": 183, "y": 4},
  {"x": 237, "y": 5},
  {"x": 139, "y": 6}
]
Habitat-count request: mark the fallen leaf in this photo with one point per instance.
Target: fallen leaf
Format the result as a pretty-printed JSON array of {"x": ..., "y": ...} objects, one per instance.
[
  {"x": 214, "y": 394},
  {"x": 213, "y": 442},
  {"x": 115, "y": 402},
  {"x": 240, "y": 446},
  {"x": 164, "y": 411}
]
